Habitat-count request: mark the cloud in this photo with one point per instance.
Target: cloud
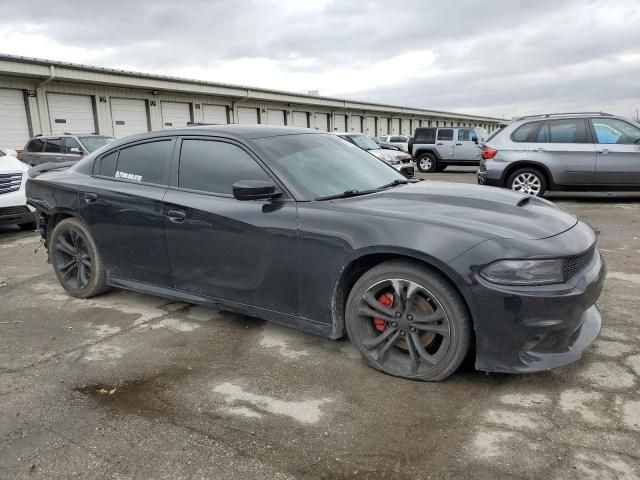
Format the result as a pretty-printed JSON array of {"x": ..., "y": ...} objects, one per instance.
[{"x": 496, "y": 57}]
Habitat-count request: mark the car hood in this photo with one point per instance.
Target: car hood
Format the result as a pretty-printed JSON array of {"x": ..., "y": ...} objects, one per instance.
[
  {"x": 391, "y": 153},
  {"x": 10, "y": 164},
  {"x": 484, "y": 211}
]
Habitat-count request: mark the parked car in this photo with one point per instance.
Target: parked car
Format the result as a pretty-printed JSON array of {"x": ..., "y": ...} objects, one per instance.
[
  {"x": 567, "y": 151},
  {"x": 435, "y": 148},
  {"x": 384, "y": 145},
  {"x": 13, "y": 202},
  {"x": 400, "y": 141},
  {"x": 397, "y": 159},
  {"x": 61, "y": 148},
  {"x": 303, "y": 229}
]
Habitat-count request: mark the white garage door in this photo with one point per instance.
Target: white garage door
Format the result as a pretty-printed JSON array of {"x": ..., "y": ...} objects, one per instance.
[
  {"x": 70, "y": 113},
  {"x": 395, "y": 126},
  {"x": 356, "y": 123},
  {"x": 322, "y": 122},
  {"x": 175, "y": 114},
  {"x": 247, "y": 116},
  {"x": 406, "y": 126},
  {"x": 216, "y": 114},
  {"x": 275, "y": 117},
  {"x": 300, "y": 119},
  {"x": 339, "y": 123},
  {"x": 14, "y": 129},
  {"x": 129, "y": 116},
  {"x": 383, "y": 126},
  {"x": 371, "y": 127}
]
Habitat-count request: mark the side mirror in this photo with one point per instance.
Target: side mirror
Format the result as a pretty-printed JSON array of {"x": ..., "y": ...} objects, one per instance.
[
  {"x": 475, "y": 140},
  {"x": 254, "y": 190},
  {"x": 75, "y": 151}
]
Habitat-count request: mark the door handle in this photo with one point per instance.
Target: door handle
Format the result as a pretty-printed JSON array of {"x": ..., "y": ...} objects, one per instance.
[
  {"x": 90, "y": 198},
  {"x": 604, "y": 151},
  {"x": 537, "y": 149},
  {"x": 440, "y": 143},
  {"x": 459, "y": 144},
  {"x": 176, "y": 216}
]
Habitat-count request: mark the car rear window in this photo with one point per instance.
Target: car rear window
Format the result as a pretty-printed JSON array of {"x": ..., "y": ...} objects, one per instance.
[
  {"x": 35, "y": 145},
  {"x": 524, "y": 133}
]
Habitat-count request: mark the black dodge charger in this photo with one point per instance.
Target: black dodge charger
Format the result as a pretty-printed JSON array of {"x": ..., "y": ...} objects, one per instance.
[{"x": 304, "y": 229}]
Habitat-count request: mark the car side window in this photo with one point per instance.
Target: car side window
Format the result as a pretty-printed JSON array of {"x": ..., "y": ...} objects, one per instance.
[
  {"x": 613, "y": 131},
  {"x": 35, "y": 145},
  {"x": 213, "y": 166},
  {"x": 425, "y": 135},
  {"x": 524, "y": 132},
  {"x": 145, "y": 162},
  {"x": 68, "y": 143},
  {"x": 53, "y": 145},
  {"x": 107, "y": 166},
  {"x": 573, "y": 130},
  {"x": 445, "y": 134},
  {"x": 466, "y": 135}
]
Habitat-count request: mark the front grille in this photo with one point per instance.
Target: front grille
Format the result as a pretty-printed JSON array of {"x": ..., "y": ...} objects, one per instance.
[
  {"x": 13, "y": 211},
  {"x": 576, "y": 263},
  {"x": 10, "y": 182}
]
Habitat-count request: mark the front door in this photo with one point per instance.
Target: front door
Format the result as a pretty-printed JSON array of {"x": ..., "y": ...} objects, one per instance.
[
  {"x": 618, "y": 152},
  {"x": 565, "y": 148},
  {"x": 122, "y": 205},
  {"x": 465, "y": 148},
  {"x": 444, "y": 143},
  {"x": 239, "y": 251}
]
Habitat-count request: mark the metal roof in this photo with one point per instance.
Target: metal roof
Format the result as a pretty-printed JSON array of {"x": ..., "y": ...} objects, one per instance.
[{"x": 306, "y": 97}]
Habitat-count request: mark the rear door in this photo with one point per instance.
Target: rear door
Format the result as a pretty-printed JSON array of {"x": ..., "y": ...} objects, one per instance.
[
  {"x": 465, "y": 148},
  {"x": 564, "y": 146},
  {"x": 220, "y": 247},
  {"x": 122, "y": 204},
  {"x": 444, "y": 143},
  {"x": 617, "y": 151}
]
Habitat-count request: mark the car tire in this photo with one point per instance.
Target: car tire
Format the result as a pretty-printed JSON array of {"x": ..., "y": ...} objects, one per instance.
[
  {"x": 424, "y": 339},
  {"x": 76, "y": 260},
  {"x": 427, "y": 163},
  {"x": 30, "y": 226},
  {"x": 528, "y": 181}
]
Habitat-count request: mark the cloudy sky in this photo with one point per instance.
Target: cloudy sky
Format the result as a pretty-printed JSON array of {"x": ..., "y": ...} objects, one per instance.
[{"x": 492, "y": 57}]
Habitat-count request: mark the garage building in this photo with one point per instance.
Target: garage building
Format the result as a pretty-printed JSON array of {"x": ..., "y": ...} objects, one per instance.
[{"x": 41, "y": 96}]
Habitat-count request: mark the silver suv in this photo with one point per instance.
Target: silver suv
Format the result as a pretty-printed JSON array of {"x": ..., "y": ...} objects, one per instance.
[
  {"x": 61, "y": 148},
  {"x": 434, "y": 148},
  {"x": 565, "y": 151}
]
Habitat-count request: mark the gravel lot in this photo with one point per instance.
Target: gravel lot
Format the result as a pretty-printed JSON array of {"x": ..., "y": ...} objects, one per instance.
[{"x": 134, "y": 386}]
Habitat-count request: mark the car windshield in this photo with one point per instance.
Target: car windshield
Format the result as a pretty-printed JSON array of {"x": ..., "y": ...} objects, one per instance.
[
  {"x": 398, "y": 139},
  {"x": 94, "y": 142},
  {"x": 364, "y": 142},
  {"x": 323, "y": 165}
]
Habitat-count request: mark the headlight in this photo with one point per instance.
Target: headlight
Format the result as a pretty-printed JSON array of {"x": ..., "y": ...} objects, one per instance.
[
  {"x": 382, "y": 156},
  {"x": 524, "y": 272}
]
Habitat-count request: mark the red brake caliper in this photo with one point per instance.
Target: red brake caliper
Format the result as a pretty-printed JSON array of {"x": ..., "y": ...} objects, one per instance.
[{"x": 385, "y": 299}]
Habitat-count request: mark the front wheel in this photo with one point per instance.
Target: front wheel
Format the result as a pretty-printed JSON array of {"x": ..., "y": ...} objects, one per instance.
[
  {"x": 76, "y": 260},
  {"x": 427, "y": 163},
  {"x": 528, "y": 181},
  {"x": 408, "y": 321}
]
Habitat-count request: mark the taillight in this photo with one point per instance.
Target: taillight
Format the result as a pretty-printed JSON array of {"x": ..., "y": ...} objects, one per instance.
[{"x": 488, "y": 152}]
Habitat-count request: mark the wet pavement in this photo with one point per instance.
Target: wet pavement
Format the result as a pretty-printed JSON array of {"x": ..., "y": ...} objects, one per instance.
[{"x": 134, "y": 386}]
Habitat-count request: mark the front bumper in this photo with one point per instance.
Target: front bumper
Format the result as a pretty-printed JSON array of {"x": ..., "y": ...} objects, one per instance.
[
  {"x": 537, "y": 328},
  {"x": 16, "y": 215}
]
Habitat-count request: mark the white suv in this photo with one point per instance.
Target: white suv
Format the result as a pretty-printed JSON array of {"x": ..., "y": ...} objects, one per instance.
[{"x": 13, "y": 203}]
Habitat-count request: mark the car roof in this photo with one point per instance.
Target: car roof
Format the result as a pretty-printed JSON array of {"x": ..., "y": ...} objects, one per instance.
[{"x": 246, "y": 131}]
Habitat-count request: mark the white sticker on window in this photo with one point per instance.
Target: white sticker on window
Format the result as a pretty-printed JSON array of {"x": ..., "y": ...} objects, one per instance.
[{"x": 128, "y": 176}]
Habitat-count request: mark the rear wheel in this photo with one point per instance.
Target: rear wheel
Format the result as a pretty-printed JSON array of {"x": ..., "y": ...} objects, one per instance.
[
  {"x": 76, "y": 260},
  {"x": 529, "y": 181},
  {"x": 427, "y": 163},
  {"x": 408, "y": 321}
]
